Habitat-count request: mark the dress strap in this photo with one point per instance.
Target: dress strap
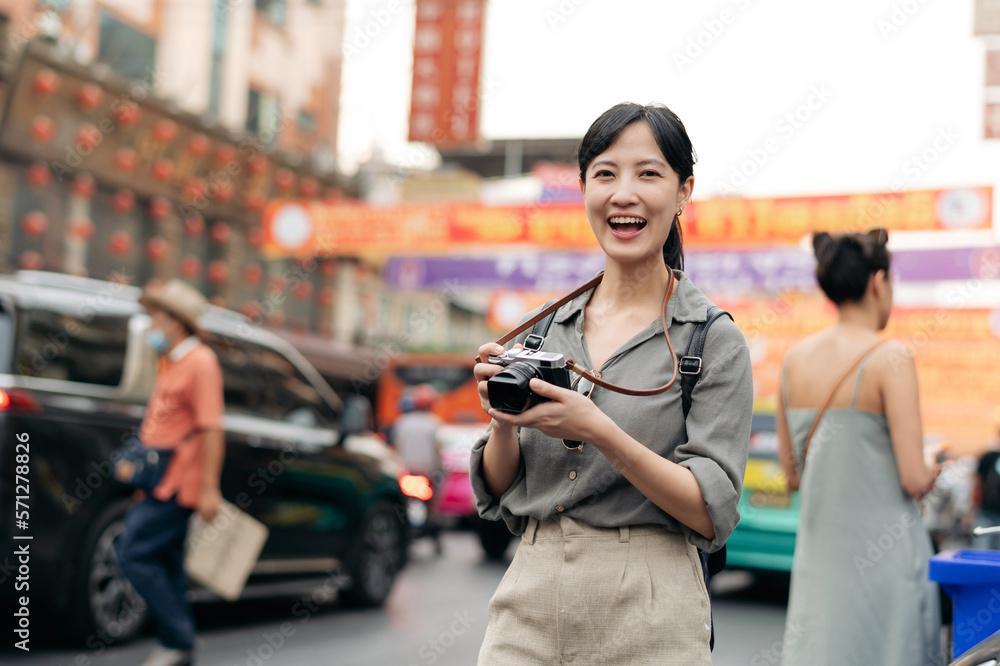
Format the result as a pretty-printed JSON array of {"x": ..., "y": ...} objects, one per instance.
[
  {"x": 784, "y": 385},
  {"x": 857, "y": 382}
]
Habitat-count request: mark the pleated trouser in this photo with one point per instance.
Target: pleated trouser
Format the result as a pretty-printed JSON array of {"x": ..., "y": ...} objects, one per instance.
[{"x": 579, "y": 594}]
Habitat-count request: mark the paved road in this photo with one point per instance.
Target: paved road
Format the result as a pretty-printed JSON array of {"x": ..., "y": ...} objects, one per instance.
[{"x": 436, "y": 616}]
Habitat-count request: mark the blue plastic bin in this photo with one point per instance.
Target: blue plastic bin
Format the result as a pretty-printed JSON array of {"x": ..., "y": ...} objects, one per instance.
[{"x": 972, "y": 580}]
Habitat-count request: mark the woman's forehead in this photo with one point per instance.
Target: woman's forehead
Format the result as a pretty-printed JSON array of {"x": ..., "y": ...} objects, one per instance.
[{"x": 636, "y": 143}]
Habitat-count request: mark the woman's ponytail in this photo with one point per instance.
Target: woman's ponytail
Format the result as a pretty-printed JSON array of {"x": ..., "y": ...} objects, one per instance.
[{"x": 673, "y": 249}]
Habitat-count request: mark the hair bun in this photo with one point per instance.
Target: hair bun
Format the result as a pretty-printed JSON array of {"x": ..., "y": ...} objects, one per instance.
[{"x": 825, "y": 249}]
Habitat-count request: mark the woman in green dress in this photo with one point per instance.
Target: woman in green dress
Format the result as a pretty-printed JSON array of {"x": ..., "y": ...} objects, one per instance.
[{"x": 859, "y": 589}]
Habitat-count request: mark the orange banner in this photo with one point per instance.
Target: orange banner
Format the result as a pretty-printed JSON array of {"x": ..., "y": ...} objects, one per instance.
[{"x": 321, "y": 229}]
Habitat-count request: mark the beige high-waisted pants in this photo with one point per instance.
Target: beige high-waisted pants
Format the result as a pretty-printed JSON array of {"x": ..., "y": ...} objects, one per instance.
[{"x": 578, "y": 594}]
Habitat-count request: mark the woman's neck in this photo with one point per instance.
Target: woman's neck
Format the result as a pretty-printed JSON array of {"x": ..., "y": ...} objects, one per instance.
[
  {"x": 627, "y": 286},
  {"x": 860, "y": 316}
]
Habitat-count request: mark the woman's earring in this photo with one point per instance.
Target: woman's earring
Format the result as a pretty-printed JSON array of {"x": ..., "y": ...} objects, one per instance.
[{"x": 680, "y": 210}]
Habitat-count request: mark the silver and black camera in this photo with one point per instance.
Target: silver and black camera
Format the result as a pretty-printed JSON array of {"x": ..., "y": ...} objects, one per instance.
[{"x": 508, "y": 389}]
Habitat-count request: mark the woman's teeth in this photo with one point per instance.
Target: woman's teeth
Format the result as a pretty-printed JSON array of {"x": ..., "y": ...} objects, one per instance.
[{"x": 627, "y": 224}]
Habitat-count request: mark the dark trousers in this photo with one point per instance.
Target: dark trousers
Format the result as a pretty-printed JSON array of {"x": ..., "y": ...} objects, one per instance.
[{"x": 151, "y": 554}]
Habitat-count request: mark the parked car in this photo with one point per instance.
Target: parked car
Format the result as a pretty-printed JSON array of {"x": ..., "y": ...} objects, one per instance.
[
  {"x": 75, "y": 374},
  {"x": 764, "y": 539}
]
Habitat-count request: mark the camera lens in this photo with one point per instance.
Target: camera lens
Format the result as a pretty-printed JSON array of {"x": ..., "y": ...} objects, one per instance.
[{"x": 508, "y": 389}]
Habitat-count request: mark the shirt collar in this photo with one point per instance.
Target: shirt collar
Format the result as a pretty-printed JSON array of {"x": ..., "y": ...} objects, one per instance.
[
  {"x": 688, "y": 304},
  {"x": 182, "y": 348}
]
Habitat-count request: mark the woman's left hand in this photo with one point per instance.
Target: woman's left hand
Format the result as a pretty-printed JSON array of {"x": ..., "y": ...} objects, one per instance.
[{"x": 567, "y": 415}]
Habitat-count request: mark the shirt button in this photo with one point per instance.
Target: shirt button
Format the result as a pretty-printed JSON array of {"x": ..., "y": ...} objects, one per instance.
[
  {"x": 572, "y": 475},
  {"x": 560, "y": 508}
]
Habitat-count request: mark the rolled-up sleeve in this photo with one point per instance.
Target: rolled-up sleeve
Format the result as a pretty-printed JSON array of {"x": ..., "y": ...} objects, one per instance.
[
  {"x": 718, "y": 437},
  {"x": 489, "y": 508}
]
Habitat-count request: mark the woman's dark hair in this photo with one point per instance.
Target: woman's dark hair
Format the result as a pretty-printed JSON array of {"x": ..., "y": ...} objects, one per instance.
[
  {"x": 672, "y": 139},
  {"x": 845, "y": 263}
]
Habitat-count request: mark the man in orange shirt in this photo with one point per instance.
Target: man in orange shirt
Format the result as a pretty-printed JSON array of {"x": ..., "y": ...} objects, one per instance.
[{"x": 184, "y": 415}]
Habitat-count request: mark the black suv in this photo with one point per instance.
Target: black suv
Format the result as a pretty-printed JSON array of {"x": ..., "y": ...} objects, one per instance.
[{"x": 75, "y": 375}]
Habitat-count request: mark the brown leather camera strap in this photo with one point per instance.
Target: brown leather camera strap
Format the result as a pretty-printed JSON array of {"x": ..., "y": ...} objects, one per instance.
[
  {"x": 829, "y": 399},
  {"x": 572, "y": 365}
]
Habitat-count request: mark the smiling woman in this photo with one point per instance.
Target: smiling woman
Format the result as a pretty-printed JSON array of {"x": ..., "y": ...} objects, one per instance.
[{"x": 649, "y": 484}]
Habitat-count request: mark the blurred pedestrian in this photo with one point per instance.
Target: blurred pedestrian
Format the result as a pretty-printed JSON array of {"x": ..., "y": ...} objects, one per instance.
[
  {"x": 184, "y": 415},
  {"x": 414, "y": 435},
  {"x": 614, "y": 494},
  {"x": 859, "y": 588}
]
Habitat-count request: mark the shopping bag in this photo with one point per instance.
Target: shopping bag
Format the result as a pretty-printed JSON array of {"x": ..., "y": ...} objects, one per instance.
[{"x": 221, "y": 554}]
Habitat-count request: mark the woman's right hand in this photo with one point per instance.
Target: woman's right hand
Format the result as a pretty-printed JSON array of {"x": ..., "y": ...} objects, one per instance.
[{"x": 484, "y": 370}]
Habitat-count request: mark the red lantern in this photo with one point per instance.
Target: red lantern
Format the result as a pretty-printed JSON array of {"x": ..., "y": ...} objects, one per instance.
[
  {"x": 302, "y": 291},
  {"x": 325, "y": 297},
  {"x": 157, "y": 248},
  {"x": 126, "y": 160},
  {"x": 82, "y": 228},
  {"x": 225, "y": 192},
  {"x": 159, "y": 208},
  {"x": 83, "y": 185},
  {"x": 30, "y": 261},
  {"x": 163, "y": 170},
  {"x": 218, "y": 271},
  {"x": 253, "y": 274},
  {"x": 127, "y": 114},
  {"x": 194, "y": 189},
  {"x": 328, "y": 268},
  {"x": 284, "y": 179},
  {"x": 42, "y": 129},
  {"x": 88, "y": 137},
  {"x": 164, "y": 131},
  {"x": 221, "y": 233},
  {"x": 255, "y": 237},
  {"x": 190, "y": 267},
  {"x": 45, "y": 82},
  {"x": 89, "y": 96},
  {"x": 199, "y": 145},
  {"x": 309, "y": 187},
  {"x": 34, "y": 224},
  {"x": 38, "y": 175},
  {"x": 194, "y": 225},
  {"x": 225, "y": 155},
  {"x": 119, "y": 243},
  {"x": 123, "y": 201},
  {"x": 256, "y": 201},
  {"x": 251, "y": 310},
  {"x": 258, "y": 164}
]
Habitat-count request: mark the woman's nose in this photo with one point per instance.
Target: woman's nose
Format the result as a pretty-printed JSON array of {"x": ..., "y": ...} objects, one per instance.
[{"x": 624, "y": 192}]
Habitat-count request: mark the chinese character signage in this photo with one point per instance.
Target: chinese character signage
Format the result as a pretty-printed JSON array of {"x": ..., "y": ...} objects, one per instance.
[{"x": 444, "y": 103}]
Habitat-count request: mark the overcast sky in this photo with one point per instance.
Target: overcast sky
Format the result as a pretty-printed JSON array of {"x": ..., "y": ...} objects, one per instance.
[{"x": 873, "y": 83}]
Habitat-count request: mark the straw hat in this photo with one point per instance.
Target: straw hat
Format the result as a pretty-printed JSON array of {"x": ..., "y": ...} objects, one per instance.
[{"x": 178, "y": 299}]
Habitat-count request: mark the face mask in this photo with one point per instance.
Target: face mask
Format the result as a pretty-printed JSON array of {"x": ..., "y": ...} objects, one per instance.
[{"x": 156, "y": 339}]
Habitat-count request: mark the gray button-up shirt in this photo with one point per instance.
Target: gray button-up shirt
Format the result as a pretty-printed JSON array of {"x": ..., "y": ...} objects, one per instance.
[{"x": 712, "y": 442}]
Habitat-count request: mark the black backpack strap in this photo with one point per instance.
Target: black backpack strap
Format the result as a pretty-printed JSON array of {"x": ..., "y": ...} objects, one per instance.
[
  {"x": 689, "y": 365},
  {"x": 540, "y": 330},
  {"x": 689, "y": 368}
]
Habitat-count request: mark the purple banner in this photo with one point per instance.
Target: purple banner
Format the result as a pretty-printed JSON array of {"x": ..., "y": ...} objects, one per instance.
[{"x": 728, "y": 271}]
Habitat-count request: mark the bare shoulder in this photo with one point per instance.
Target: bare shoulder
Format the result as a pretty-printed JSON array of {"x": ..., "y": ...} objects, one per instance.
[
  {"x": 806, "y": 349},
  {"x": 892, "y": 355}
]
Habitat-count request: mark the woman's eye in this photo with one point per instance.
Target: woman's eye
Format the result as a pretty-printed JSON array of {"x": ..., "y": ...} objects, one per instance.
[
  {"x": 603, "y": 173},
  {"x": 650, "y": 173}
]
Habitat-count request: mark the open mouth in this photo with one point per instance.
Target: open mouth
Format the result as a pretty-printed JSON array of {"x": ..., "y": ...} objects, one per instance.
[{"x": 626, "y": 224}]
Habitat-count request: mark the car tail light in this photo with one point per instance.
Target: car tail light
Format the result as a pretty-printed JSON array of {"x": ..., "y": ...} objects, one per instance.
[
  {"x": 416, "y": 485},
  {"x": 18, "y": 400}
]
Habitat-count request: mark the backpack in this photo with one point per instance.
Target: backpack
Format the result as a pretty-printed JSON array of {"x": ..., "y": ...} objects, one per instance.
[{"x": 689, "y": 369}]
